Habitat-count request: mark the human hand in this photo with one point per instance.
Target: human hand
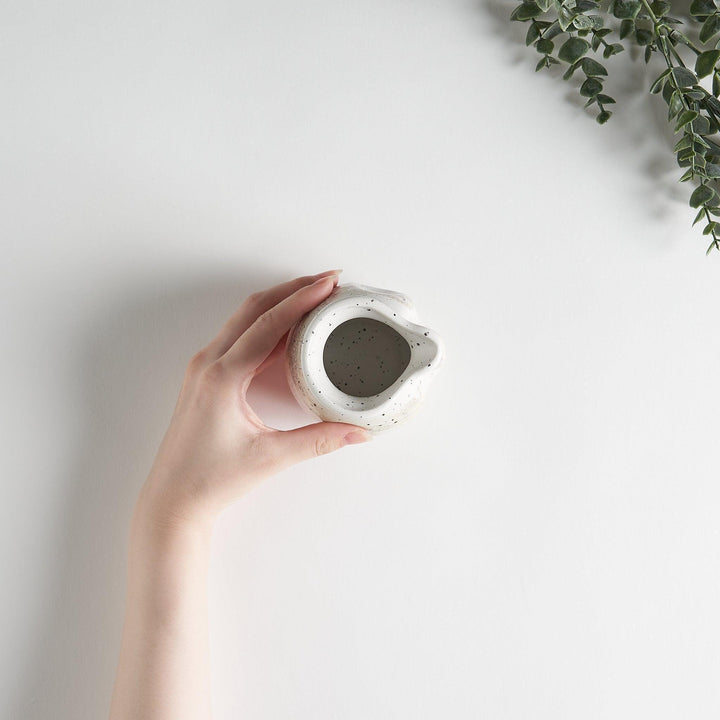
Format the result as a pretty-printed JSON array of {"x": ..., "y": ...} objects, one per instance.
[{"x": 216, "y": 448}]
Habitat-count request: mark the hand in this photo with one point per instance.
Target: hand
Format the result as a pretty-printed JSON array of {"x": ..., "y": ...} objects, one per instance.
[{"x": 216, "y": 447}]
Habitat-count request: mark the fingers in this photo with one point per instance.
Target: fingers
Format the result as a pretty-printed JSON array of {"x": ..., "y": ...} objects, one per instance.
[
  {"x": 288, "y": 447},
  {"x": 253, "y": 346},
  {"x": 253, "y": 307},
  {"x": 277, "y": 352}
]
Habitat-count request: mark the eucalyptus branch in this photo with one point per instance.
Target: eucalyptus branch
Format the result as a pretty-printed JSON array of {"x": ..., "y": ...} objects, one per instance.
[{"x": 579, "y": 27}]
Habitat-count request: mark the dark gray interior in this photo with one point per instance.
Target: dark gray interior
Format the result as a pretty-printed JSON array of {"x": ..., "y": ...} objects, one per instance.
[{"x": 363, "y": 357}]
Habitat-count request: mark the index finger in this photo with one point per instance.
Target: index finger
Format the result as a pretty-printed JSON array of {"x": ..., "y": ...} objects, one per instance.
[
  {"x": 253, "y": 346},
  {"x": 254, "y": 306}
]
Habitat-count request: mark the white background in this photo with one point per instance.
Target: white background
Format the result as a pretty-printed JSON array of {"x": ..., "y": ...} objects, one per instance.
[{"x": 542, "y": 541}]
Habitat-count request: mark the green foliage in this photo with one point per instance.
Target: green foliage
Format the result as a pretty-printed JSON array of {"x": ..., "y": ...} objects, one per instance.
[
  {"x": 706, "y": 62},
  {"x": 582, "y": 30},
  {"x": 573, "y": 49}
]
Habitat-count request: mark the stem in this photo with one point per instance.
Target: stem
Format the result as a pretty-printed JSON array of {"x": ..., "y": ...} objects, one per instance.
[
  {"x": 663, "y": 43},
  {"x": 652, "y": 15},
  {"x": 675, "y": 53},
  {"x": 658, "y": 25},
  {"x": 684, "y": 40},
  {"x": 715, "y": 240},
  {"x": 538, "y": 28},
  {"x": 602, "y": 39}
]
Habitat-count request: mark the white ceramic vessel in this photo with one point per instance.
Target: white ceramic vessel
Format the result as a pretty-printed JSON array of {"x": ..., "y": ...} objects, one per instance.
[{"x": 360, "y": 357}]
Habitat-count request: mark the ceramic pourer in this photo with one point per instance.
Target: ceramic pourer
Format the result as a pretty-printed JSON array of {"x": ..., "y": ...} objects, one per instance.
[{"x": 360, "y": 357}]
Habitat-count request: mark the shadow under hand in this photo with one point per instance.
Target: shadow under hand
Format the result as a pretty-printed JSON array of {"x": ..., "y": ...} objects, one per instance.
[{"x": 129, "y": 374}]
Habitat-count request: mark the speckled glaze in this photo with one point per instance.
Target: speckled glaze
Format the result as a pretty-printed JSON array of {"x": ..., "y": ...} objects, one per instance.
[{"x": 309, "y": 380}]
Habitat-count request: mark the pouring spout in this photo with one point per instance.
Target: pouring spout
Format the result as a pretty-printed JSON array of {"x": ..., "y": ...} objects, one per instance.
[{"x": 426, "y": 348}]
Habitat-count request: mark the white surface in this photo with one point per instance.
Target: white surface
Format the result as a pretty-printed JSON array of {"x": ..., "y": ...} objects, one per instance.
[{"x": 541, "y": 542}]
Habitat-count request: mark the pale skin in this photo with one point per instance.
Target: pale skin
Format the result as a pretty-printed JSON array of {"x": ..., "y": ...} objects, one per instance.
[{"x": 214, "y": 451}]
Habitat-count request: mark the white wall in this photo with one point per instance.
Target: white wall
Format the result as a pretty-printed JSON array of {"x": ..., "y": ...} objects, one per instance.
[{"x": 541, "y": 542}]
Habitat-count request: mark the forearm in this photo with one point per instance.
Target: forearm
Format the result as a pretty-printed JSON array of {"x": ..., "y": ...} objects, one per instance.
[
  {"x": 163, "y": 667},
  {"x": 214, "y": 451}
]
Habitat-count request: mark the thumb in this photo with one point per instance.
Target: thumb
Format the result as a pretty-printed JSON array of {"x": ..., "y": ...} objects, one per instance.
[{"x": 287, "y": 447}]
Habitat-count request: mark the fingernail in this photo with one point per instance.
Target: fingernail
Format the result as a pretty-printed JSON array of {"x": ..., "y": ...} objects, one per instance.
[
  {"x": 325, "y": 280},
  {"x": 328, "y": 272},
  {"x": 356, "y": 437}
]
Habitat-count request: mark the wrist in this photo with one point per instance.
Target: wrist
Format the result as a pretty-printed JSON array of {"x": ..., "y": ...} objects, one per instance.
[{"x": 157, "y": 519}]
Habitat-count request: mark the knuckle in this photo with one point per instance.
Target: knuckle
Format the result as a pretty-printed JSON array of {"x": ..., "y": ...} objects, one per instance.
[
  {"x": 254, "y": 299},
  {"x": 214, "y": 374},
  {"x": 266, "y": 319},
  {"x": 323, "y": 446},
  {"x": 197, "y": 362}
]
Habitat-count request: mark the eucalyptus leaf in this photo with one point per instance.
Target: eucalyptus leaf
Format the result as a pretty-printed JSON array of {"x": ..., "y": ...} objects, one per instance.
[
  {"x": 533, "y": 33},
  {"x": 565, "y": 17},
  {"x": 702, "y": 8},
  {"x": 603, "y": 117},
  {"x": 710, "y": 28},
  {"x": 683, "y": 77},
  {"x": 660, "y": 7},
  {"x": 553, "y": 31},
  {"x": 569, "y": 72},
  {"x": 545, "y": 46},
  {"x": 573, "y": 49},
  {"x": 592, "y": 68},
  {"x": 712, "y": 103},
  {"x": 685, "y": 119},
  {"x": 582, "y": 22},
  {"x": 714, "y": 148},
  {"x": 644, "y": 37},
  {"x": 591, "y": 87},
  {"x": 701, "y": 196},
  {"x": 701, "y": 125},
  {"x": 627, "y": 27},
  {"x": 667, "y": 91},
  {"x": 682, "y": 144},
  {"x": 657, "y": 86},
  {"x": 623, "y": 9},
  {"x": 686, "y": 154},
  {"x": 526, "y": 11}
]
